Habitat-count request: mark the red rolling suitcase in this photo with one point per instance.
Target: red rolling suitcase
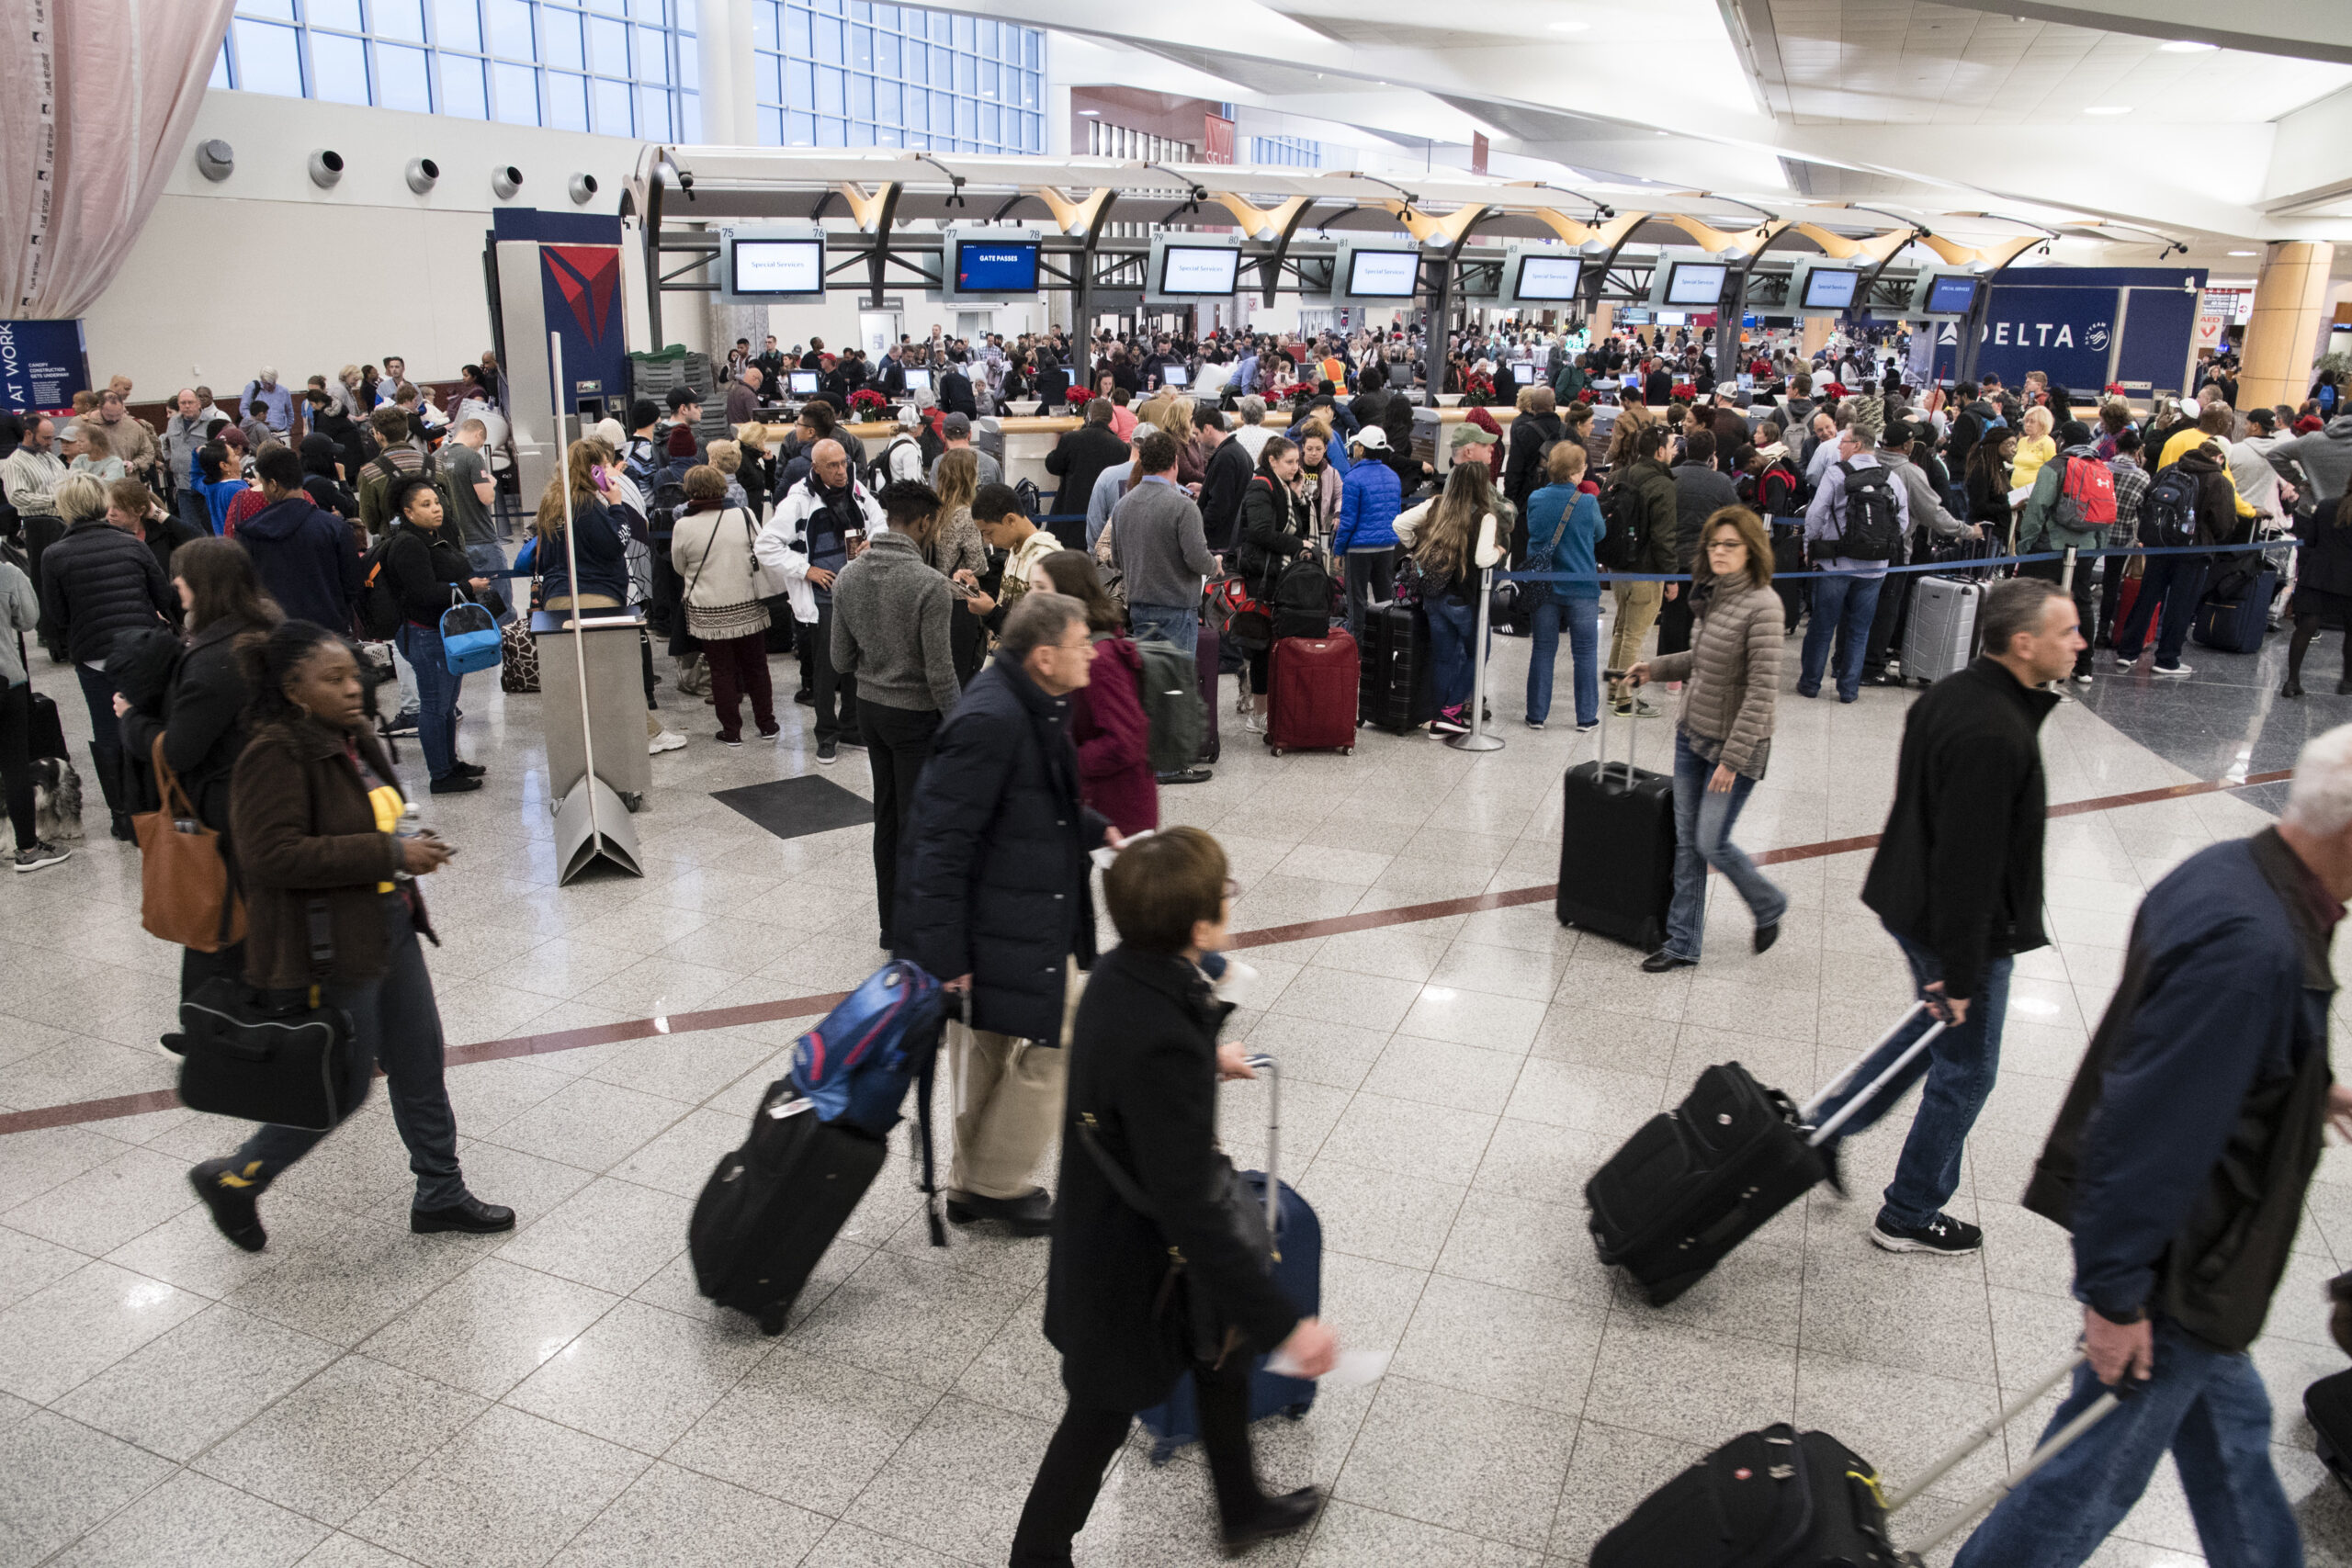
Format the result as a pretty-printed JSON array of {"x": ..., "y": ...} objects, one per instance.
[{"x": 1311, "y": 695}]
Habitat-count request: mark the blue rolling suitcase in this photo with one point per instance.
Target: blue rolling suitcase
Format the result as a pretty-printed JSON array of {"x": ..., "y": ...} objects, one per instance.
[
  {"x": 1298, "y": 1270},
  {"x": 2235, "y": 624}
]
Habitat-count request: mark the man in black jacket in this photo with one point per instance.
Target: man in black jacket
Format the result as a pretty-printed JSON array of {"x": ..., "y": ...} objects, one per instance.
[
  {"x": 97, "y": 581},
  {"x": 1224, "y": 478},
  {"x": 1957, "y": 882},
  {"x": 993, "y": 893},
  {"x": 305, "y": 558},
  {"x": 1647, "y": 486},
  {"x": 954, "y": 391},
  {"x": 2179, "y": 1161},
  {"x": 1078, "y": 459},
  {"x": 1701, "y": 490}
]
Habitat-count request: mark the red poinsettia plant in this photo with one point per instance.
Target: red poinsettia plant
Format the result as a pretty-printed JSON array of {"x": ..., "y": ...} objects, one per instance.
[
  {"x": 1079, "y": 395},
  {"x": 866, "y": 400},
  {"x": 1688, "y": 391},
  {"x": 2115, "y": 389},
  {"x": 1478, "y": 387},
  {"x": 1587, "y": 396},
  {"x": 1292, "y": 392},
  {"x": 1833, "y": 391}
]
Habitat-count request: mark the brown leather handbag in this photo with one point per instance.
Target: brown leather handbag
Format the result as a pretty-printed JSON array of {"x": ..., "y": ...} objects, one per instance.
[{"x": 185, "y": 895}]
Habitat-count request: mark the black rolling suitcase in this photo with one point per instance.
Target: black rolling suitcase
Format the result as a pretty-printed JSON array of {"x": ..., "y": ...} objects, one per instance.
[
  {"x": 2328, "y": 1404},
  {"x": 1788, "y": 556},
  {"x": 1206, "y": 655},
  {"x": 1694, "y": 1182},
  {"x": 1781, "y": 1498},
  {"x": 773, "y": 1206},
  {"x": 1398, "y": 691},
  {"x": 1617, "y": 845}
]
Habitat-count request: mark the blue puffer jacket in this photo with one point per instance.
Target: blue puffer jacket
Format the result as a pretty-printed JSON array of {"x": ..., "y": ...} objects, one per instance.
[
  {"x": 1368, "y": 509},
  {"x": 993, "y": 884}
]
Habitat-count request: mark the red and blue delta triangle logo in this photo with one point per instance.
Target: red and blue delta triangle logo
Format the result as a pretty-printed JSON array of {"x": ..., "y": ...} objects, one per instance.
[{"x": 589, "y": 276}]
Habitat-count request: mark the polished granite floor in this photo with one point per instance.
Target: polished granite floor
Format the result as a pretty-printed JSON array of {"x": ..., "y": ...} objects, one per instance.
[{"x": 358, "y": 1397}]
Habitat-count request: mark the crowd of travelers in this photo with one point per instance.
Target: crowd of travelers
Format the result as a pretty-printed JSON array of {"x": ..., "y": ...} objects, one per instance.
[{"x": 236, "y": 591}]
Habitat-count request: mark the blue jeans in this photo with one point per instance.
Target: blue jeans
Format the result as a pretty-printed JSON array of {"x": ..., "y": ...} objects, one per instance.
[
  {"x": 397, "y": 1026},
  {"x": 1959, "y": 1068},
  {"x": 489, "y": 559},
  {"x": 1703, "y": 824},
  {"x": 1839, "y": 603},
  {"x": 437, "y": 697},
  {"x": 2176, "y": 582},
  {"x": 2207, "y": 1407},
  {"x": 1454, "y": 631},
  {"x": 1582, "y": 620},
  {"x": 1178, "y": 624}
]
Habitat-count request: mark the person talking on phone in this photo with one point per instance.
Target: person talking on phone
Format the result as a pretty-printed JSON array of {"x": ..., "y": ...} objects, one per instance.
[
  {"x": 316, "y": 811},
  {"x": 1957, "y": 882}
]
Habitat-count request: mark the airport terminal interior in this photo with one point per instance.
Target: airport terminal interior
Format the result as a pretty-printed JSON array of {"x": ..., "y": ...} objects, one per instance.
[{"x": 2132, "y": 204}]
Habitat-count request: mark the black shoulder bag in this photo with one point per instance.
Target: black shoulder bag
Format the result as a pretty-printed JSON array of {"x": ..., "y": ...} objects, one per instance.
[{"x": 264, "y": 1055}]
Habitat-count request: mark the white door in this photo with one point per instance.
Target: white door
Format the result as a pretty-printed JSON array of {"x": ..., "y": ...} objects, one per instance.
[{"x": 876, "y": 330}]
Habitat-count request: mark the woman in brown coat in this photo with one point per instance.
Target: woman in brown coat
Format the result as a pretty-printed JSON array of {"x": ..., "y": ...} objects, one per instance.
[
  {"x": 315, "y": 811},
  {"x": 1723, "y": 736}
]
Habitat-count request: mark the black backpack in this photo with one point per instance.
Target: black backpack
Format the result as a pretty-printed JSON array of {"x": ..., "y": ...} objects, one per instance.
[
  {"x": 379, "y": 610},
  {"x": 1622, "y": 506},
  {"x": 667, "y": 504},
  {"x": 1301, "y": 600},
  {"x": 1873, "y": 529},
  {"x": 2168, "y": 512}
]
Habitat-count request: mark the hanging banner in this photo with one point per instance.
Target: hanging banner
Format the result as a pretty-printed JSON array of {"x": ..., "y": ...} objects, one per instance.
[
  {"x": 2065, "y": 332},
  {"x": 43, "y": 364}
]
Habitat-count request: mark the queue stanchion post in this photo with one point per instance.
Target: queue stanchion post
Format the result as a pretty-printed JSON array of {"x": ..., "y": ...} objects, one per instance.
[{"x": 1477, "y": 739}]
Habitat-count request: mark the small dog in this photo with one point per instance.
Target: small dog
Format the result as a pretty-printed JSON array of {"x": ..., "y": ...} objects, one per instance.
[{"x": 57, "y": 800}]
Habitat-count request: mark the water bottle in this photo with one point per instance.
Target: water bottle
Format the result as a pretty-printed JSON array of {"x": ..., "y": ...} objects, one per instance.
[{"x": 411, "y": 826}]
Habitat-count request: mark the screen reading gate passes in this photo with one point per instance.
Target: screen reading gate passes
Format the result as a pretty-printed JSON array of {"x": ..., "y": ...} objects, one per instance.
[
  {"x": 1829, "y": 289},
  {"x": 776, "y": 268},
  {"x": 1383, "y": 274},
  {"x": 996, "y": 267},
  {"x": 1696, "y": 284},
  {"x": 1549, "y": 278},
  {"x": 1210, "y": 272}
]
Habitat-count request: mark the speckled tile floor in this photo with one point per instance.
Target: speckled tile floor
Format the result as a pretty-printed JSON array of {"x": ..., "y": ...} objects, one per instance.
[{"x": 357, "y": 1396}]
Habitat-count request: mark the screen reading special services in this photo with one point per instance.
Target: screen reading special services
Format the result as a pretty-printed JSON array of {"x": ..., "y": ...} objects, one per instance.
[
  {"x": 996, "y": 267},
  {"x": 1549, "y": 278},
  {"x": 1829, "y": 289},
  {"x": 1696, "y": 283},
  {"x": 1210, "y": 271},
  {"x": 1952, "y": 296},
  {"x": 779, "y": 266},
  {"x": 1383, "y": 274}
]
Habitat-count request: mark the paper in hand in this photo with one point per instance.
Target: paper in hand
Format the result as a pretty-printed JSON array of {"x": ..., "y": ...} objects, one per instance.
[
  {"x": 1349, "y": 1369},
  {"x": 1107, "y": 855}
]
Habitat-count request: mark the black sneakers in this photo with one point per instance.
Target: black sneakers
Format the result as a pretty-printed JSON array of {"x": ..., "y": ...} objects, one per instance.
[
  {"x": 1943, "y": 1235},
  {"x": 230, "y": 1192},
  {"x": 469, "y": 1213}
]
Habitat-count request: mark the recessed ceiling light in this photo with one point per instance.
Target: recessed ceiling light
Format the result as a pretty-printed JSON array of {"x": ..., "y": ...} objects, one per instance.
[
  {"x": 2245, "y": 253},
  {"x": 2109, "y": 109},
  {"x": 1571, "y": 27},
  {"x": 1097, "y": 113},
  {"x": 2187, "y": 46}
]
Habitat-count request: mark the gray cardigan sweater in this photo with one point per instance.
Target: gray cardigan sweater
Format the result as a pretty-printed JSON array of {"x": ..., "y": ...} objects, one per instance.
[{"x": 891, "y": 614}]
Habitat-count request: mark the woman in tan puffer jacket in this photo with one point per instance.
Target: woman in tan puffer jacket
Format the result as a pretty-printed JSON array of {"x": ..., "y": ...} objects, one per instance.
[{"x": 1732, "y": 677}]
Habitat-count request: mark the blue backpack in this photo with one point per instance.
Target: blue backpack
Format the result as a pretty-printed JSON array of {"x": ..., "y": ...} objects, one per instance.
[{"x": 856, "y": 1065}]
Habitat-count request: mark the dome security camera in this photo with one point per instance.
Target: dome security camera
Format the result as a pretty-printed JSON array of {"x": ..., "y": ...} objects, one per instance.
[
  {"x": 326, "y": 168},
  {"x": 582, "y": 189},
  {"x": 215, "y": 160},
  {"x": 505, "y": 180},
  {"x": 422, "y": 174}
]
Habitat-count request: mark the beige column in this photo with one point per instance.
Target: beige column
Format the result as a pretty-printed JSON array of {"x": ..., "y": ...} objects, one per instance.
[
  {"x": 1816, "y": 332},
  {"x": 2290, "y": 303},
  {"x": 1602, "y": 315}
]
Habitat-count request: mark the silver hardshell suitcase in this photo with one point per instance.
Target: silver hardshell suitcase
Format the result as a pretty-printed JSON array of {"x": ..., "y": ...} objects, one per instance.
[{"x": 1941, "y": 634}]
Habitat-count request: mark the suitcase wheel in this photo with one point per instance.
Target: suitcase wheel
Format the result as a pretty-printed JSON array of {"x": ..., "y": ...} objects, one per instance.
[
  {"x": 771, "y": 1323},
  {"x": 1278, "y": 750},
  {"x": 1162, "y": 1452},
  {"x": 1347, "y": 750}
]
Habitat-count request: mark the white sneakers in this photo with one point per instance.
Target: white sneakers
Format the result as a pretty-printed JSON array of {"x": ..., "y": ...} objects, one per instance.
[{"x": 668, "y": 740}]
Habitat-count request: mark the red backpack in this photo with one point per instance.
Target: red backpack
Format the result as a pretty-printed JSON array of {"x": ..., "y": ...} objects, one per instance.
[{"x": 2086, "y": 495}]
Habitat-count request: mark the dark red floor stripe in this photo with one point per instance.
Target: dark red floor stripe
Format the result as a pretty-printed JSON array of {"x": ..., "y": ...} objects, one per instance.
[{"x": 1302, "y": 930}]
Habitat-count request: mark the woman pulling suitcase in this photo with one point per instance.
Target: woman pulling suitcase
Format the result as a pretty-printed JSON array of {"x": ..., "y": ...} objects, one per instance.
[{"x": 1723, "y": 736}]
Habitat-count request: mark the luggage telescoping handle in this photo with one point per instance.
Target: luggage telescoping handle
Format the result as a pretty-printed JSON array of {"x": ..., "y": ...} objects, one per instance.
[
  {"x": 1601, "y": 744},
  {"x": 1812, "y": 1108},
  {"x": 1261, "y": 1062},
  {"x": 2059, "y": 1443}
]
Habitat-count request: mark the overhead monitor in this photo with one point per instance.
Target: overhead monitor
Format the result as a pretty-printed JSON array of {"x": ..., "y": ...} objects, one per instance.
[
  {"x": 1383, "y": 274},
  {"x": 1695, "y": 284},
  {"x": 1547, "y": 279},
  {"x": 1175, "y": 375},
  {"x": 803, "y": 383},
  {"x": 917, "y": 380},
  {"x": 995, "y": 267},
  {"x": 1828, "y": 288},
  {"x": 1199, "y": 272},
  {"x": 1948, "y": 294},
  {"x": 778, "y": 269}
]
